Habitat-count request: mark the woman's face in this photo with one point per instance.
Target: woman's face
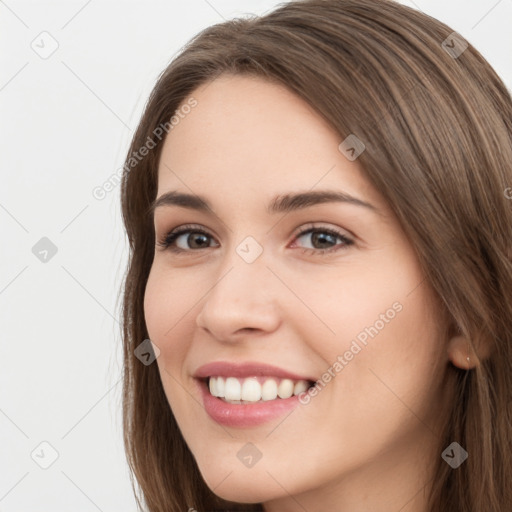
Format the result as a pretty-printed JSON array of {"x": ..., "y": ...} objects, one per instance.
[{"x": 278, "y": 289}]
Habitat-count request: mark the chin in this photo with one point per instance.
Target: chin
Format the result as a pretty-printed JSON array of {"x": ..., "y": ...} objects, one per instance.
[{"x": 242, "y": 485}]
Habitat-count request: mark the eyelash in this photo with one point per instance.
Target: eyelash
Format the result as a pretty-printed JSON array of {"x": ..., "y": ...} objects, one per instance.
[{"x": 167, "y": 243}]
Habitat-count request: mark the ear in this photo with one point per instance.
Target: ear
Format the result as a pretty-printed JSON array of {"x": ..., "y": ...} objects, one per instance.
[{"x": 461, "y": 353}]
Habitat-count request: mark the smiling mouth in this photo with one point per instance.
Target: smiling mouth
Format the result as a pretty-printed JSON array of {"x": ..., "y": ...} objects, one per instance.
[{"x": 251, "y": 390}]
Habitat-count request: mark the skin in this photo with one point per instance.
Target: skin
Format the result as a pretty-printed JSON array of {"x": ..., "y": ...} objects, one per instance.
[{"x": 367, "y": 440}]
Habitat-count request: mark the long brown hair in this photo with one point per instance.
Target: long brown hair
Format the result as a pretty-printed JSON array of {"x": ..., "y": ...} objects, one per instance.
[{"x": 436, "y": 121}]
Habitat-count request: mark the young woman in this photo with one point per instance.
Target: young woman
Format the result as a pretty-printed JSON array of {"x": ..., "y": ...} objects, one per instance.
[{"x": 318, "y": 304}]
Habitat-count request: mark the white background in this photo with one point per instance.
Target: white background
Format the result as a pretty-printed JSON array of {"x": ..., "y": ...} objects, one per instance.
[{"x": 66, "y": 124}]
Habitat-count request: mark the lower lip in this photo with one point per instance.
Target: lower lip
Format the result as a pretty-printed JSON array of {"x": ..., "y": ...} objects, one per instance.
[{"x": 245, "y": 415}]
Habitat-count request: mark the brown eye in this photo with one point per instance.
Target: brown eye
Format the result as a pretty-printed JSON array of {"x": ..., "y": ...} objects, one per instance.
[
  {"x": 322, "y": 240},
  {"x": 177, "y": 241}
]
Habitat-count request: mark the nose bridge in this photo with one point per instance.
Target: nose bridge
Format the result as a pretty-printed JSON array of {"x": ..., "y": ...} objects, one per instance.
[
  {"x": 242, "y": 269},
  {"x": 241, "y": 297}
]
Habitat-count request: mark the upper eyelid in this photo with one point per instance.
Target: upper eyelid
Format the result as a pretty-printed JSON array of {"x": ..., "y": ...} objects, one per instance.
[{"x": 311, "y": 226}]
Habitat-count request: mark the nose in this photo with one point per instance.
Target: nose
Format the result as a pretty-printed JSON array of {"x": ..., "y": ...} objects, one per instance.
[{"x": 242, "y": 300}]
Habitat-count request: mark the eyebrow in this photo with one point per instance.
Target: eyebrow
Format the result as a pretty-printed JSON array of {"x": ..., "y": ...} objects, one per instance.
[{"x": 284, "y": 203}]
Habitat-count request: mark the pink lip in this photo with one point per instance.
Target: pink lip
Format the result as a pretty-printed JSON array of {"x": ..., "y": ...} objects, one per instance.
[
  {"x": 241, "y": 370},
  {"x": 244, "y": 415}
]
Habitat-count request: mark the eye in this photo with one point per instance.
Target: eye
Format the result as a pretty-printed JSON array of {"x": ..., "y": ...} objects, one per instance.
[
  {"x": 175, "y": 241},
  {"x": 323, "y": 240}
]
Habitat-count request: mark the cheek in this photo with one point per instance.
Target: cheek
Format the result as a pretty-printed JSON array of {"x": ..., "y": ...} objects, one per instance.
[
  {"x": 353, "y": 304},
  {"x": 165, "y": 316},
  {"x": 155, "y": 305},
  {"x": 397, "y": 369},
  {"x": 165, "y": 302},
  {"x": 383, "y": 324},
  {"x": 161, "y": 317},
  {"x": 169, "y": 305}
]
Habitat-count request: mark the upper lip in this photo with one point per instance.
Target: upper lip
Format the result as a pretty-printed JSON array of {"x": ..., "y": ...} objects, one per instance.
[{"x": 247, "y": 369}]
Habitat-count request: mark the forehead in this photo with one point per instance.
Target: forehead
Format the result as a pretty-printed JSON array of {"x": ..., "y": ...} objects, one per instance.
[{"x": 246, "y": 133}]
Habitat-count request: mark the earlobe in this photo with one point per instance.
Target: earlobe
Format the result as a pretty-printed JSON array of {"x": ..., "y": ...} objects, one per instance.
[{"x": 461, "y": 353}]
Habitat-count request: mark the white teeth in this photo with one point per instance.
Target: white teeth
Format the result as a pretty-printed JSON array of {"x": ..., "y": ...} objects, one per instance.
[
  {"x": 233, "y": 389},
  {"x": 269, "y": 390},
  {"x": 253, "y": 389},
  {"x": 300, "y": 386},
  {"x": 285, "y": 389},
  {"x": 220, "y": 387},
  {"x": 213, "y": 387}
]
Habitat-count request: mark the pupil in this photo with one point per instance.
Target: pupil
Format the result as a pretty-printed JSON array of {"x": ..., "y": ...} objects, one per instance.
[
  {"x": 191, "y": 237},
  {"x": 320, "y": 237}
]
